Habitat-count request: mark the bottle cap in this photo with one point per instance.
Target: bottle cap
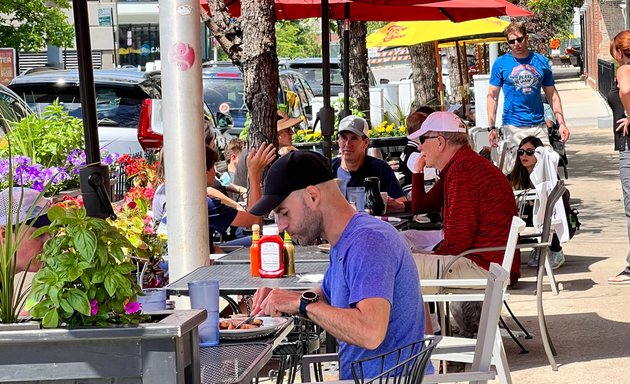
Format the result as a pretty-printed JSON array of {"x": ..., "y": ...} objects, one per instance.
[
  {"x": 287, "y": 237},
  {"x": 255, "y": 228},
  {"x": 270, "y": 230}
]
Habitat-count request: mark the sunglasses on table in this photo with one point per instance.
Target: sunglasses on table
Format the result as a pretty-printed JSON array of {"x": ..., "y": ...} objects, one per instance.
[
  {"x": 422, "y": 139},
  {"x": 514, "y": 41},
  {"x": 528, "y": 152}
]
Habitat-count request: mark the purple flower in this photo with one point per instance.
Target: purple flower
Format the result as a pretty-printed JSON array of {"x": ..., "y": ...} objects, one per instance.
[
  {"x": 132, "y": 307},
  {"x": 93, "y": 307}
]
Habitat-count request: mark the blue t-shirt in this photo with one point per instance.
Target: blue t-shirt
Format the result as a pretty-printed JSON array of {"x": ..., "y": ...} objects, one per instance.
[
  {"x": 371, "y": 260},
  {"x": 371, "y": 167},
  {"x": 521, "y": 81}
]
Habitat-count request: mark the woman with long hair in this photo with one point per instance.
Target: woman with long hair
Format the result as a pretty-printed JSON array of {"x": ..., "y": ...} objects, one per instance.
[
  {"x": 519, "y": 179},
  {"x": 619, "y": 101}
]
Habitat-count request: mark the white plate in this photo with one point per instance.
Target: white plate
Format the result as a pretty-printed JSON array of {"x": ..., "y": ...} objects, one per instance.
[
  {"x": 270, "y": 325},
  {"x": 324, "y": 248}
]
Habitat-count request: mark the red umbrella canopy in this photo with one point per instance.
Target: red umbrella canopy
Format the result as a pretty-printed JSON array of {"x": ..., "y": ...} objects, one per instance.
[{"x": 380, "y": 10}]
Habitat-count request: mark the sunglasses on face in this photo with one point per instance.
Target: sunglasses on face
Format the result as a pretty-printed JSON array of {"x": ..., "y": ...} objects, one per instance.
[
  {"x": 514, "y": 41},
  {"x": 528, "y": 152},
  {"x": 422, "y": 139}
]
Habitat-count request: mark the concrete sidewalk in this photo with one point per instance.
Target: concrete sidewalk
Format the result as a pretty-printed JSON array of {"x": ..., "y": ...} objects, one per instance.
[{"x": 589, "y": 320}]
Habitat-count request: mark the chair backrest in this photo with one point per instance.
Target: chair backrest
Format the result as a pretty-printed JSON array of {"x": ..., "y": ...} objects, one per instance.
[
  {"x": 554, "y": 196},
  {"x": 517, "y": 226},
  {"x": 409, "y": 364},
  {"x": 489, "y": 321}
]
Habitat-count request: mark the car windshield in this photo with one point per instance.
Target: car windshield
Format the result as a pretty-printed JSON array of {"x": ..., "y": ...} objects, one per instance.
[
  {"x": 119, "y": 107},
  {"x": 313, "y": 73},
  {"x": 217, "y": 91}
]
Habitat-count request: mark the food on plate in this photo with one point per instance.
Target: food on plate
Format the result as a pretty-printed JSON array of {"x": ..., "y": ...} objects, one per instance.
[{"x": 231, "y": 324}]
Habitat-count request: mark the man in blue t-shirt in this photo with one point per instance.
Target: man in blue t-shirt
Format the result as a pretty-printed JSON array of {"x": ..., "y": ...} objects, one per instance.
[
  {"x": 369, "y": 298},
  {"x": 521, "y": 75},
  {"x": 354, "y": 164}
]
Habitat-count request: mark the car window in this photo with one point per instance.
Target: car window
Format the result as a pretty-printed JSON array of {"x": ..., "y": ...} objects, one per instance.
[
  {"x": 115, "y": 106},
  {"x": 218, "y": 91},
  {"x": 11, "y": 110},
  {"x": 313, "y": 73}
]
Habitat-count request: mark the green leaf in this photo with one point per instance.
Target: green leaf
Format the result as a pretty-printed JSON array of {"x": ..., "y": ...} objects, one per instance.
[
  {"x": 65, "y": 305},
  {"x": 85, "y": 242},
  {"x": 46, "y": 277},
  {"x": 99, "y": 276},
  {"x": 125, "y": 268},
  {"x": 111, "y": 284},
  {"x": 56, "y": 213},
  {"x": 51, "y": 319},
  {"x": 53, "y": 295},
  {"x": 40, "y": 231},
  {"x": 40, "y": 310},
  {"x": 79, "y": 301}
]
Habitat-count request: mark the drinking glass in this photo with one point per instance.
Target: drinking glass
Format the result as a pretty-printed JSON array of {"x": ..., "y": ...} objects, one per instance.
[
  {"x": 356, "y": 195},
  {"x": 204, "y": 294}
]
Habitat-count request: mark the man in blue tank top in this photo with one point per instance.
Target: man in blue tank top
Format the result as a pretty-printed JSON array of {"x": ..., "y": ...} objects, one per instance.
[
  {"x": 369, "y": 298},
  {"x": 521, "y": 75}
]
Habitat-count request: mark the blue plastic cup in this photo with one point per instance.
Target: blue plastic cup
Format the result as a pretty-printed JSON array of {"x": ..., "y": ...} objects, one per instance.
[
  {"x": 154, "y": 299},
  {"x": 204, "y": 294}
]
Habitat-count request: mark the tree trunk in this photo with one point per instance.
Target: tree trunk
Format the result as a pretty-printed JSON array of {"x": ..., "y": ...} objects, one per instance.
[
  {"x": 260, "y": 70},
  {"x": 225, "y": 30},
  {"x": 425, "y": 76},
  {"x": 359, "y": 70},
  {"x": 456, "y": 73}
]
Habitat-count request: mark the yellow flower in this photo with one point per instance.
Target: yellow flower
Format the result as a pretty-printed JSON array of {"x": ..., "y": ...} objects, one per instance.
[
  {"x": 370, "y": 132},
  {"x": 402, "y": 130},
  {"x": 380, "y": 129},
  {"x": 317, "y": 135},
  {"x": 389, "y": 129},
  {"x": 299, "y": 132}
]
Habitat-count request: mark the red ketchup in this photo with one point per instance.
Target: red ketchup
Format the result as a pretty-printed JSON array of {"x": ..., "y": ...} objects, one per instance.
[{"x": 271, "y": 248}]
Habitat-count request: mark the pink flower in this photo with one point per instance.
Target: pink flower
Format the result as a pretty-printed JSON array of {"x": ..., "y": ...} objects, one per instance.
[
  {"x": 132, "y": 205},
  {"x": 132, "y": 307},
  {"x": 93, "y": 307},
  {"x": 148, "y": 230}
]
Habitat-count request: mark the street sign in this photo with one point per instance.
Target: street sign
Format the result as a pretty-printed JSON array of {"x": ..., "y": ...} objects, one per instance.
[
  {"x": 105, "y": 17},
  {"x": 7, "y": 65}
]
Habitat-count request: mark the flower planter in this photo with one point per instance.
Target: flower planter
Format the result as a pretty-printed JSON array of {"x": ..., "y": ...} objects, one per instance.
[{"x": 163, "y": 352}]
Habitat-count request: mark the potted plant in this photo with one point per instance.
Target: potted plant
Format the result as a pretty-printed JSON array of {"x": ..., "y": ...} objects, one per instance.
[{"x": 85, "y": 297}]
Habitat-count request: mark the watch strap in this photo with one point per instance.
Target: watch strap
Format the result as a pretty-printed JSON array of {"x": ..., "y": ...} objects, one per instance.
[{"x": 303, "y": 304}]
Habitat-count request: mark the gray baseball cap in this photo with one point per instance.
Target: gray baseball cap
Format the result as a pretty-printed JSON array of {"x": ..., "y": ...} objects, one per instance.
[{"x": 354, "y": 124}]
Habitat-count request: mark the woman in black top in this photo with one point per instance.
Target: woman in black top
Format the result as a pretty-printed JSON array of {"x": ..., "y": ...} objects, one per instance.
[{"x": 619, "y": 101}]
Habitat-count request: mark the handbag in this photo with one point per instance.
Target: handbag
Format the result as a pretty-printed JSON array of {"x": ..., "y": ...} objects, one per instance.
[
  {"x": 572, "y": 215},
  {"x": 555, "y": 140}
]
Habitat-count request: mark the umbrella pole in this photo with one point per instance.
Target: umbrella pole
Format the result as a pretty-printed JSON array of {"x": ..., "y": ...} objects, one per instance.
[
  {"x": 439, "y": 68},
  {"x": 346, "y": 64},
  {"x": 94, "y": 178},
  {"x": 326, "y": 113}
]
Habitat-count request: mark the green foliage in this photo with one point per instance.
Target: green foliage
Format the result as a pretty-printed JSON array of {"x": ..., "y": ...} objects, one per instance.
[
  {"x": 295, "y": 38},
  {"x": 86, "y": 279},
  {"x": 354, "y": 109},
  {"x": 31, "y": 25},
  {"x": 46, "y": 139},
  {"x": 13, "y": 290},
  {"x": 551, "y": 19},
  {"x": 373, "y": 26}
]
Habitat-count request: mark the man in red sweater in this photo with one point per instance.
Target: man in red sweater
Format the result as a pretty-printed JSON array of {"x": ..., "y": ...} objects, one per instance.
[{"x": 478, "y": 202}]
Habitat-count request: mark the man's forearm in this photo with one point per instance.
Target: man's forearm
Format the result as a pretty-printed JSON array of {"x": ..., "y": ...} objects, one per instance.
[
  {"x": 254, "y": 192},
  {"x": 491, "y": 108}
]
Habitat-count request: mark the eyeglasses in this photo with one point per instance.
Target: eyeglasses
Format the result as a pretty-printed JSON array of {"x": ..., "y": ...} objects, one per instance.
[
  {"x": 528, "y": 152},
  {"x": 422, "y": 139},
  {"x": 518, "y": 39}
]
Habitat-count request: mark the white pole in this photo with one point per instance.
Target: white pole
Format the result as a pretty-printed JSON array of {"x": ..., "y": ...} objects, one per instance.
[
  {"x": 493, "y": 53},
  {"x": 184, "y": 148}
]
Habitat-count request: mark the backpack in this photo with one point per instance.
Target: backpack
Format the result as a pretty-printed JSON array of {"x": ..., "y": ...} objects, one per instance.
[{"x": 572, "y": 214}]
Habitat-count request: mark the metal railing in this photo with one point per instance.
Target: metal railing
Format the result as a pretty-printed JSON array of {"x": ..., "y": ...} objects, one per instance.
[{"x": 605, "y": 76}]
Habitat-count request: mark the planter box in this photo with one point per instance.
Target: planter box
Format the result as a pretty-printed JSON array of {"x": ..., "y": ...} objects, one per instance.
[{"x": 162, "y": 352}]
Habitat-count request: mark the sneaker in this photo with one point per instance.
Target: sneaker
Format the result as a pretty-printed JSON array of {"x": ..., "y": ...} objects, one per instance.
[
  {"x": 622, "y": 278},
  {"x": 533, "y": 259},
  {"x": 556, "y": 259}
]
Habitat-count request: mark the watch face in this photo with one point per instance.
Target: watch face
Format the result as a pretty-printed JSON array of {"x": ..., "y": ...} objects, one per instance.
[{"x": 309, "y": 295}]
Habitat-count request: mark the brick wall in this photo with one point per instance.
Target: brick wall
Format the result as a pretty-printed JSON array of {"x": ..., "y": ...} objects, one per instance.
[{"x": 603, "y": 20}]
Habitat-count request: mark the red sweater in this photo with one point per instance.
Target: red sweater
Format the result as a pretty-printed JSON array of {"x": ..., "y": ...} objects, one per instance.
[
  {"x": 421, "y": 201},
  {"x": 478, "y": 209}
]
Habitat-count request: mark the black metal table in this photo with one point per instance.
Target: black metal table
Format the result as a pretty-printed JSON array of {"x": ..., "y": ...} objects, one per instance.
[
  {"x": 239, "y": 361},
  {"x": 302, "y": 255},
  {"x": 235, "y": 279}
]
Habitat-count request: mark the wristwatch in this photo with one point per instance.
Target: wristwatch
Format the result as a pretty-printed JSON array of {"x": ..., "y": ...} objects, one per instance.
[
  {"x": 308, "y": 297},
  {"x": 491, "y": 128}
]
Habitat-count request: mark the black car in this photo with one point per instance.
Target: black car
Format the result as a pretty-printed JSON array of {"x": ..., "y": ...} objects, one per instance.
[
  {"x": 121, "y": 95},
  {"x": 311, "y": 69}
]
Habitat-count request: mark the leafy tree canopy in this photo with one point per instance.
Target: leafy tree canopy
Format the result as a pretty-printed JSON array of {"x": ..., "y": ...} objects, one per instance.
[
  {"x": 551, "y": 19},
  {"x": 31, "y": 25},
  {"x": 295, "y": 38}
]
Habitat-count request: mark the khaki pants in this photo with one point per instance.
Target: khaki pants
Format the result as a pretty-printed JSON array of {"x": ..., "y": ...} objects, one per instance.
[
  {"x": 430, "y": 265},
  {"x": 513, "y": 136}
]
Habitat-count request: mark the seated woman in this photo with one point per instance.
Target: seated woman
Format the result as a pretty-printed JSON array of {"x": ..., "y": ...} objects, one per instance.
[
  {"x": 519, "y": 179},
  {"x": 221, "y": 215}
]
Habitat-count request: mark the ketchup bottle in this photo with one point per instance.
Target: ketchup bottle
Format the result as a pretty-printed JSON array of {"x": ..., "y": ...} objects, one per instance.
[
  {"x": 254, "y": 251},
  {"x": 271, "y": 252}
]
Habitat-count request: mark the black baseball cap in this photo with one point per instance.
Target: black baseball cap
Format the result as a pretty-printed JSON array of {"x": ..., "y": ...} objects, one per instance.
[{"x": 292, "y": 172}]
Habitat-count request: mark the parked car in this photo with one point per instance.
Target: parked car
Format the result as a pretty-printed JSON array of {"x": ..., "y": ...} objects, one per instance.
[
  {"x": 12, "y": 108},
  {"x": 120, "y": 97},
  {"x": 573, "y": 50},
  {"x": 224, "y": 85},
  {"x": 311, "y": 69}
]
